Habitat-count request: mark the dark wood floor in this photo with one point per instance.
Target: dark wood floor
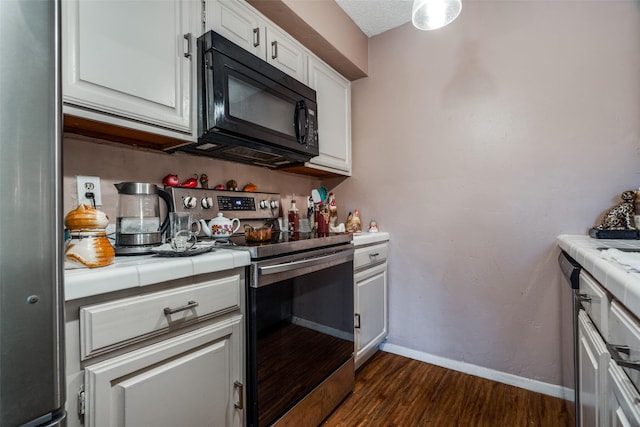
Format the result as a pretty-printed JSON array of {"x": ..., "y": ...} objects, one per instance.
[{"x": 392, "y": 390}]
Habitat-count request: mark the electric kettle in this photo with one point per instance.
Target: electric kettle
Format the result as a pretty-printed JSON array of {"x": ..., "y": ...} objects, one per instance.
[{"x": 138, "y": 225}]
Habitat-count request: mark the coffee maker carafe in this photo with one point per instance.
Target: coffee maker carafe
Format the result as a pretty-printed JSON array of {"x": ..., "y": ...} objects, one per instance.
[{"x": 138, "y": 225}]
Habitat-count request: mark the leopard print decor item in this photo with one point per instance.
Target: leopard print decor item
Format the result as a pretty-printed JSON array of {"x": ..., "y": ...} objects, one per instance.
[{"x": 620, "y": 217}]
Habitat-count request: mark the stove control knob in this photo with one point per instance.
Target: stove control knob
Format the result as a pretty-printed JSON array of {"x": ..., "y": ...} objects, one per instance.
[
  {"x": 264, "y": 204},
  {"x": 190, "y": 202},
  {"x": 207, "y": 202},
  {"x": 274, "y": 204}
]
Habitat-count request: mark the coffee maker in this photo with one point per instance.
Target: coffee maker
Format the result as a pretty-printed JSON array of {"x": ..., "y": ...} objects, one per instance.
[{"x": 138, "y": 225}]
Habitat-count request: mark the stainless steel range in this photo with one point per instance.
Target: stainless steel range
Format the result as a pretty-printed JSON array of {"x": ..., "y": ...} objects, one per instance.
[
  {"x": 300, "y": 317},
  {"x": 251, "y": 208}
]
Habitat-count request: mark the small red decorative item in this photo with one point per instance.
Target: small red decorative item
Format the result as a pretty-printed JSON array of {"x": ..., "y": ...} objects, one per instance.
[
  {"x": 171, "y": 180},
  {"x": 190, "y": 183}
]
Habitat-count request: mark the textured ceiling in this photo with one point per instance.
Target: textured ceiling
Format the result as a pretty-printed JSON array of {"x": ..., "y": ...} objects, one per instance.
[{"x": 377, "y": 16}]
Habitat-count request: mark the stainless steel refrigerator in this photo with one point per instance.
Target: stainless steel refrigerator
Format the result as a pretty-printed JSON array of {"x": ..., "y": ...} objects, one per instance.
[{"x": 32, "y": 379}]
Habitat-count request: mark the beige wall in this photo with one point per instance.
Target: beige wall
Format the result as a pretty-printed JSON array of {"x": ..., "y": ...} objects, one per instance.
[
  {"x": 117, "y": 163},
  {"x": 475, "y": 146}
]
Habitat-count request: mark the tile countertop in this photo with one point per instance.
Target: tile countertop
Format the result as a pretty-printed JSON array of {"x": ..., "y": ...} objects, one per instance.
[
  {"x": 143, "y": 270},
  {"x": 366, "y": 238},
  {"x": 622, "y": 284}
]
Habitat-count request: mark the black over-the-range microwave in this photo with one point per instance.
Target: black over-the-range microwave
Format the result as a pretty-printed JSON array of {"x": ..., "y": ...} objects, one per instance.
[{"x": 249, "y": 111}]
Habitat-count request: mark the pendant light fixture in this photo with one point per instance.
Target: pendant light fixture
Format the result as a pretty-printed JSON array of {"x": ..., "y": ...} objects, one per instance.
[{"x": 434, "y": 14}]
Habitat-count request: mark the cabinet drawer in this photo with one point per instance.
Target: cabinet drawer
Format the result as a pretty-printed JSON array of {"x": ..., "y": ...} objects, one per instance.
[
  {"x": 110, "y": 325},
  {"x": 625, "y": 331},
  {"x": 370, "y": 255},
  {"x": 598, "y": 306}
]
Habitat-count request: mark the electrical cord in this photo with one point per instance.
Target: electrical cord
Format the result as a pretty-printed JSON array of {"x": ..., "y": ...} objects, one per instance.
[{"x": 89, "y": 195}]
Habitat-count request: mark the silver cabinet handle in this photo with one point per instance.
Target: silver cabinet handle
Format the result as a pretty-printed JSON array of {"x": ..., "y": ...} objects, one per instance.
[
  {"x": 583, "y": 298},
  {"x": 256, "y": 37},
  {"x": 616, "y": 349},
  {"x": 188, "y": 306},
  {"x": 187, "y": 37},
  {"x": 240, "y": 387},
  {"x": 274, "y": 49},
  {"x": 357, "y": 323}
]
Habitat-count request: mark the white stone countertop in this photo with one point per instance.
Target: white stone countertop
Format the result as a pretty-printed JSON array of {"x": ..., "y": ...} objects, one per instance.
[
  {"x": 366, "y": 238},
  {"x": 624, "y": 285},
  {"x": 143, "y": 270}
]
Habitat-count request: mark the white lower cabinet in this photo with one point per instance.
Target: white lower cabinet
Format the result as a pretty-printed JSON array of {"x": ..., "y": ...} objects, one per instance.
[
  {"x": 371, "y": 313},
  {"x": 188, "y": 380},
  {"x": 370, "y": 298},
  {"x": 624, "y": 399},
  {"x": 171, "y": 355},
  {"x": 608, "y": 372},
  {"x": 593, "y": 362}
]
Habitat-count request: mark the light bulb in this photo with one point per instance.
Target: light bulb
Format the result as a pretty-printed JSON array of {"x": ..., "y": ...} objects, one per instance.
[{"x": 434, "y": 14}]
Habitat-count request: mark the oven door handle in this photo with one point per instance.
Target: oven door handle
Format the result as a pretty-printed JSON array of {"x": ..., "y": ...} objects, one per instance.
[{"x": 308, "y": 262}]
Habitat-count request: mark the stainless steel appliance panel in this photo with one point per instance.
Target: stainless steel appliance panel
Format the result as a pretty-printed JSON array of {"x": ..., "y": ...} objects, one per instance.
[
  {"x": 569, "y": 329},
  {"x": 31, "y": 316}
]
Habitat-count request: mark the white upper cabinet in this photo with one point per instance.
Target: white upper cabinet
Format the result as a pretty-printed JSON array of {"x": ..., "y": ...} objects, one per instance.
[
  {"x": 238, "y": 22},
  {"x": 334, "y": 118},
  {"x": 285, "y": 53},
  {"x": 130, "y": 61}
]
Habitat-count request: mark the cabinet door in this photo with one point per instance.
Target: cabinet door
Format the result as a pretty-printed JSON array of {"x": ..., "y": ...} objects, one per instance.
[
  {"x": 235, "y": 21},
  {"x": 190, "y": 380},
  {"x": 126, "y": 59},
  {"x": 371, "y": 308},
  {"x": 286, "y": 54},
  {"x": 593, "y": 359},
  {"x": 624, "y": 400},
  {"x": 334, "y": 117},
  {"x": 238, "y": 22}
]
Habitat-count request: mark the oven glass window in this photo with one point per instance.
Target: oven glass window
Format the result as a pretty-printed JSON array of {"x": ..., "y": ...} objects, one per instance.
[{"x": 301, "y": 330}]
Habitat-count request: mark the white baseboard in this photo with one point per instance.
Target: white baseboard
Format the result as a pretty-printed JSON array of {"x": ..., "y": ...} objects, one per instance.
[{"x": 479, "y": 371}]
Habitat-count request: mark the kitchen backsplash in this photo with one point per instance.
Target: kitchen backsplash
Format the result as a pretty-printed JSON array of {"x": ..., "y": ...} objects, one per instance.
[{"x": 115, "y": 163}]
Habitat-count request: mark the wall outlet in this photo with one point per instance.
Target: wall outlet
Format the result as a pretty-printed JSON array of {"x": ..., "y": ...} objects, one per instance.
[{"x": 88, "y": 185}]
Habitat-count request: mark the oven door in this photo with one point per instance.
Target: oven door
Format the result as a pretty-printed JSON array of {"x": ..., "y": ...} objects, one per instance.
[{"x": 300, "y": 328}]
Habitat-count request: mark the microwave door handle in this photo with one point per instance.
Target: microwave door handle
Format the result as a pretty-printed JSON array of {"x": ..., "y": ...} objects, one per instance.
[
  {"x": 301, "y": 105},
  {"x": 207, "y": 91},
  {"x": 306, "y": 123}
]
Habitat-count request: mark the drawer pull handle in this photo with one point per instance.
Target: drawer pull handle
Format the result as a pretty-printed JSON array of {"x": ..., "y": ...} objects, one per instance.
[
  {"x": 616, "y": 349},
  {"x": 240, "y": 387},
  {"x": 256, "y": 37},
  {"x": 583, "y": 298},
  {"x": 189, "y": 305},
  {"x": 187, "y": 37}
]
